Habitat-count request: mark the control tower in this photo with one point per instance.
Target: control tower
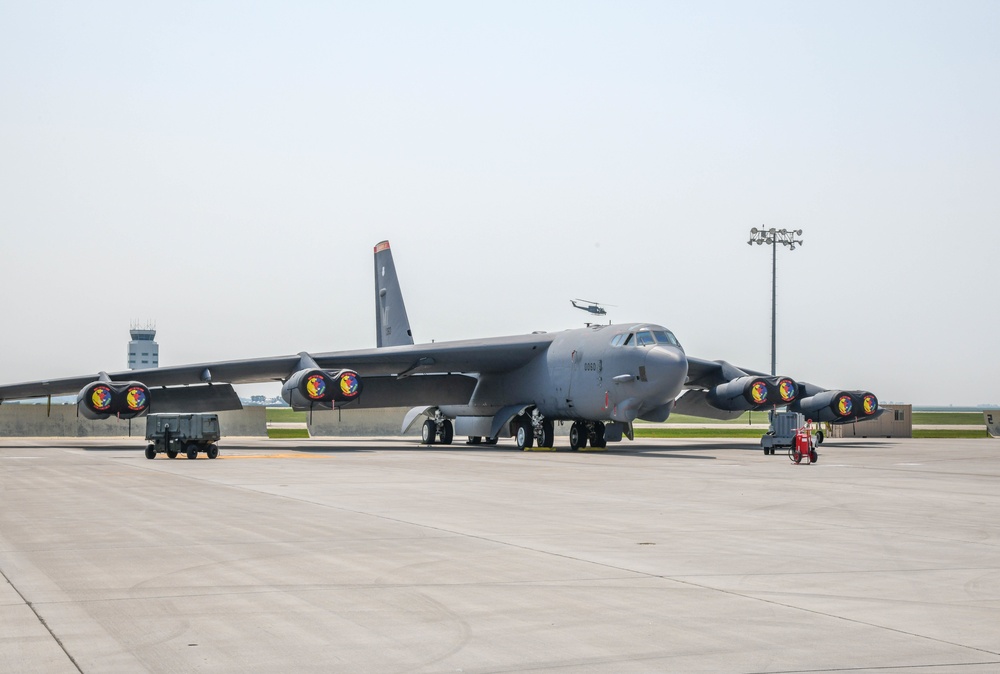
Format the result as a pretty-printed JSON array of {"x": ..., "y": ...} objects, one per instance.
[{"x": 143, "y": 351}]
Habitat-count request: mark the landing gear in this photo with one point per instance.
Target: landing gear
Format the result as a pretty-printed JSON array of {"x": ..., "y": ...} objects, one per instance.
[
  {"x": 577, "y": 436},
  {"x": 428, "y": 432},
  {"x": 446, "y": 432},
  {"x": 492, "y": 440},
  {"x": 475, "y": 439},
  {"x": 597, "y": 439},
  {"x": 548, "y": 434},
  {"x": 524, "y": 434}
]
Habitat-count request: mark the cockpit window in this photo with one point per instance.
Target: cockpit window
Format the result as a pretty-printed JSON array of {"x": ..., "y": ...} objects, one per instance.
[
  {"x": 617, "y": 340},
  {"x": 628, "y": 340},
  {"x": 645, "y": 338},
  {"x": 665, "y": 337}
]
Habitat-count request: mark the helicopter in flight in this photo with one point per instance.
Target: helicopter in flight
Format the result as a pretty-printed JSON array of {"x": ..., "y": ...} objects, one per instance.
[{"x": 590, "y": 306}]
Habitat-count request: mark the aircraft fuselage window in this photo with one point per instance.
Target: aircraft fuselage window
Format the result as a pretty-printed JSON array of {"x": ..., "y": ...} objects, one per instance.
[
  {"x": 645, "y": 338},
  {"x": 665, "y": 337}
]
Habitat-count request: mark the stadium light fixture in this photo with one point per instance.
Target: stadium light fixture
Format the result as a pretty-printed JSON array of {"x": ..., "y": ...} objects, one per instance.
[{"x": 773, "y": 237}]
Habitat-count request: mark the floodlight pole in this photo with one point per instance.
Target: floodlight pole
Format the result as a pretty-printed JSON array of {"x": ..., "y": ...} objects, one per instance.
[{"x": 772, "y": 237}]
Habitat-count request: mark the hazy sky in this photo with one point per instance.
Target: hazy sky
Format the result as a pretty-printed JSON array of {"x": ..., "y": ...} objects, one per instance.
[{"x": 226, "y": 168}]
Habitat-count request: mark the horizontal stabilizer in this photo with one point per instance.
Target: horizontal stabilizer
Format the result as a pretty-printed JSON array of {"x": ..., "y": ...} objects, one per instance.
[
  {"x": 184, "y": 399},
  {"x": 695, "y": 403}
]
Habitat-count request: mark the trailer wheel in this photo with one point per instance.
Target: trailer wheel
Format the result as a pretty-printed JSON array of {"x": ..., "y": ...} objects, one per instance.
[
  {"x": 150, "y": 452},
  {"x": 212, "y": 451},
  {"x": 813, "y": 456},
  {"x": 172, "y": 453},
  {"x": 191, "y": 450}
]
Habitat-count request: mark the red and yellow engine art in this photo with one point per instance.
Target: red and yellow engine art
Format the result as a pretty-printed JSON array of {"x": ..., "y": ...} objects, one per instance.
[{"x": 103, "y": 399}]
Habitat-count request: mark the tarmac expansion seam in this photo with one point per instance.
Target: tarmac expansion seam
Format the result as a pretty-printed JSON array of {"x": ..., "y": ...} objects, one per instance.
[
  {"x": 616, "y": 568},
  {"x": 835, "y": 617},
  {"x": 648, "y": 575},
  {"x": 41, "y": 621}
]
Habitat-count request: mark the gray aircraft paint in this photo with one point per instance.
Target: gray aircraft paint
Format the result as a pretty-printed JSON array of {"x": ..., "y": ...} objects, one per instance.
[
  {"x": 585, "y": 374},
  {"x": 392, "y": 328}
]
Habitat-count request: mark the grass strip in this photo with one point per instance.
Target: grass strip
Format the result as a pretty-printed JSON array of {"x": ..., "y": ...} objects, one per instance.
[
  {"x": 284, "y": 415},
  {"x": 288, "y": 433},
  {"x": 949, "y": 433},
  {"x": 698, "y": 433}
]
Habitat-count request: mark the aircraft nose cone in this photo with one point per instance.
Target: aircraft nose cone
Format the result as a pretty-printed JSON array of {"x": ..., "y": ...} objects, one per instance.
[{"x": 666, "y": 368}]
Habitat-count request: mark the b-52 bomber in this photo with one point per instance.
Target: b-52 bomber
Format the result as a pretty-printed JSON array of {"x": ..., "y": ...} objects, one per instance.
[{"x": 600, "y": 379}]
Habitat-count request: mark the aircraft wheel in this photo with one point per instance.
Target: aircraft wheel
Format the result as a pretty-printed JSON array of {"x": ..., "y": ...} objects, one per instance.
[
  {"x": 577, "y": 436},
  {"x": 548, "y": 434},
  {"x": 598, "y": 439},
  {"x": 820, "y": 437},
  {"x": 171, "y": 453},
  {"x": 213, "y": 451},
  {"x": 427, "y": 432},
  {"x": 150, "y": 452},
  {"x": 475, "y": 439},
  {"x": 492, "y": 440},
  {"x": 447, "y": 432},
  {"x": 523, "y": 435},
  {"x": 191, "y": 450}
]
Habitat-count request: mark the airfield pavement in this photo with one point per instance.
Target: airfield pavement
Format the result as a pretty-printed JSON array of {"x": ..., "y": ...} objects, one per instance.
[{"x": 378, "y": 555}]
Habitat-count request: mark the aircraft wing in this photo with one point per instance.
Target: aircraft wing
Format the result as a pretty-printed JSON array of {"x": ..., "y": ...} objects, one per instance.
[
  {"x": 720, "y": 390},
  {"x": 496, "y": 354},
  {"x": 709, "y": 373},
  {"x": 470, "y": 356},
  {"x": 232, "y": 372}
]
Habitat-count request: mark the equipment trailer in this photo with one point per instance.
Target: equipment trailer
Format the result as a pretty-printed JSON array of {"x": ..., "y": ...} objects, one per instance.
[{"x": 171, "y": 434}]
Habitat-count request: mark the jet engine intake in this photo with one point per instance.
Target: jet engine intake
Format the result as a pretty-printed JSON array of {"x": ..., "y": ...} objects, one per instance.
[
  {"x": 751, "y": 393},
  {"x": 309, "y": 389},
  {"x": 838, "y": 406},
  {"x": 103, "y": 399}
]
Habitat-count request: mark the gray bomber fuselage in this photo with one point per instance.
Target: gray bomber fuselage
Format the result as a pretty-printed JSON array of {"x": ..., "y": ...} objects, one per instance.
[{"x": 598, "y": 373}]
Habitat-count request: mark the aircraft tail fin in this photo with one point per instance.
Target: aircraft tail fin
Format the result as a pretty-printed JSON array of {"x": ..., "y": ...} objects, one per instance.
[{"x": 391, "y": 324}]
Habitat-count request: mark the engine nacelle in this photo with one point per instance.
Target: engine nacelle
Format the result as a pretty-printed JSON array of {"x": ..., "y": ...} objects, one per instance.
[
  {"x": 103, "y": 399},
  {"x": 838, "y": 406},
  {"x": 751, "y": 393},
  {"x": 309, "y": 389}
]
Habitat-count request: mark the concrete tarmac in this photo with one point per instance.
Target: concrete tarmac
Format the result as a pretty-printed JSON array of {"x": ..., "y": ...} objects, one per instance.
[{"x": 378, "y": 555}]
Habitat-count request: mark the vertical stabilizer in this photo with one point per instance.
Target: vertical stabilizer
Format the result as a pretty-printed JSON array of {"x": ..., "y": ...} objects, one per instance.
[{"x": 391, "y": 324}]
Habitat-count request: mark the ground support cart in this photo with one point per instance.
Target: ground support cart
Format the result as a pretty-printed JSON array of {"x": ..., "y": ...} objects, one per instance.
[{"x": 172, "y": 434}]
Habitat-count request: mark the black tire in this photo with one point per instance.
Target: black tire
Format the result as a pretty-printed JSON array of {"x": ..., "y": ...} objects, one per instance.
[
  {"x": 447, "y": 432},
  {"x": 171, "y": 453},
  {"x": 820, "y": 437},
  {"x": 577, "y": 436},
  {"x": 150, "y": 452},
  {"x": 597, "y": 439},
  {"x": 212, "y": 451},
  {"x": 191, "y": 450},
  {"x": 766, "y": 451},
  {"x": 492, "y": 440},
  {"x": 475, "y": 439},
  {"x": 813, "y": 456},
  {"x": 523, "y": 435},
  {"x": 427, "y": 432},
  {"x": 548, "y": 434}
]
